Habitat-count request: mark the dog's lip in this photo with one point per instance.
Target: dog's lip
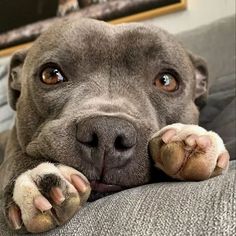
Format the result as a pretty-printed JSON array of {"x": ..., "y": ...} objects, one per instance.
[{"x": 103, "y": 187}]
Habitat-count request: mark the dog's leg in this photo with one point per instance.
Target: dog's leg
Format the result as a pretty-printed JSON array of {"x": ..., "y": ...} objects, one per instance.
[
  {"x": 189, "y": 152},
  {"x": 44, "y": 197},
  {"x": 3, "y": 142}
]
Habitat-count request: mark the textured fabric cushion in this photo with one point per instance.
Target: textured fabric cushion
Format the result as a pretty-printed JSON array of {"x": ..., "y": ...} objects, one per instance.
[
  {"x": 220, "y": 112},
  {"x": 6, "y": 113},
  {"x": 180, "y": 208},
  {"x": 216, "y": 43}
]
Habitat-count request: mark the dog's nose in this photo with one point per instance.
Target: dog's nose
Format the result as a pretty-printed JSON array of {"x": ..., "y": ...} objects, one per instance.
[{"x": 107, "y": 139}]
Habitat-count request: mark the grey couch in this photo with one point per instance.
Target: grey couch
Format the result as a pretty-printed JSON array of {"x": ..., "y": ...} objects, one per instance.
[{"x": 177, "y": 208}]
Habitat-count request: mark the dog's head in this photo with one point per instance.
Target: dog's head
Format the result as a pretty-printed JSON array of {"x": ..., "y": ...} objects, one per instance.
[{"x": 90, "y": 95}]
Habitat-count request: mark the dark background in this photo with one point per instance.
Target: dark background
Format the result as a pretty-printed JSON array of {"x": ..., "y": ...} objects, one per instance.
[{"x": 16, "y": 13}]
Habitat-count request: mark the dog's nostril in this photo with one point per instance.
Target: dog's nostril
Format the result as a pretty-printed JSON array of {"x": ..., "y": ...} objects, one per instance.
[
  {"x": 92, "y": 141},
  {"x": 121, "y": 144},
  {"x": 106, "y": 136}
]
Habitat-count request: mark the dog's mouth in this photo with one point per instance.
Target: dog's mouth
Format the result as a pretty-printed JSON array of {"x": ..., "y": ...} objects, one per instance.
[
  {"x": 100, "y": 190},
  {"x": 100, "y": 187}
]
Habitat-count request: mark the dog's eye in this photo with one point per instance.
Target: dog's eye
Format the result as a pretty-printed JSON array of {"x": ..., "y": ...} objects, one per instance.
[
  {"x": 166, "y": 82},
  {"x": 51, "y": 75}
]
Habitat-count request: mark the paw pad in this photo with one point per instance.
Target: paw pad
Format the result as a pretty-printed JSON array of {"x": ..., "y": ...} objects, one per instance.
[{"x": 189, "y": 152}]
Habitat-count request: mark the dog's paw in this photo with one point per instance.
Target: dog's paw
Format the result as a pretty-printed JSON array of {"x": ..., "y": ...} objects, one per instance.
[
  {"x": 189, "y": 152},
  {"x": 47, "y": 196}
]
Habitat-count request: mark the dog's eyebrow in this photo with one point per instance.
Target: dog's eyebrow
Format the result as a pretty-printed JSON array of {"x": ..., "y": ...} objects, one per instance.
[
  {"x": 169, "y": 65},
  {"x": 47, "y": 57},
  {"x": 57, "y": 56}
]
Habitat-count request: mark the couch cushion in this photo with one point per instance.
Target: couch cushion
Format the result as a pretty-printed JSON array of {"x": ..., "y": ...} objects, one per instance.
[
  {"x": 6, "y": 113},
  {"x": 180, "y": 208},
  {"x": 216, "y": 43},
  {"x": 219, "y": 114}
]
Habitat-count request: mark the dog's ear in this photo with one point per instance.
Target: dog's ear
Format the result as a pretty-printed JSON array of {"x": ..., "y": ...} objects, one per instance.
[
  {"x": 201, "y": 76},
  {"x": 14, "y": 80}
]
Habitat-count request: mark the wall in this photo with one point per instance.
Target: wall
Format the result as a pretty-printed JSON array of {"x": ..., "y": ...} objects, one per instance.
[{"x": 198, "y": 12}]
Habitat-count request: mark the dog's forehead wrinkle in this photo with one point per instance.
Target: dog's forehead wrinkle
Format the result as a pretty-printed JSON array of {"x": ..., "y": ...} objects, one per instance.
[
  {"x": 77, "y": 44},
  {"x": 120, "y": 106},
  {"x": 76, "y": 35},
  {"x": 119, "y": 102}
]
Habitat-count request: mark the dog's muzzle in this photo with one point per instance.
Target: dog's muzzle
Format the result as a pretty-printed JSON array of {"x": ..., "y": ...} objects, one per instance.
[{"x": 106, "y": 142}]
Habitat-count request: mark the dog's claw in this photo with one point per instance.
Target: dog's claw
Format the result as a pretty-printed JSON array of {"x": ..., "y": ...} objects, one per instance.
[
  {"x": 168, "y": 135},
  {"x": 191, "y": 140},
  {"x": 203, "y": 141},
  {"x": 15, "y": 217},
  {"x": 223, "y": 160},
  {"x": 57, "y": 195},
  {"x": 42, "y": 204},
  {"x": 79, "y": 183}
]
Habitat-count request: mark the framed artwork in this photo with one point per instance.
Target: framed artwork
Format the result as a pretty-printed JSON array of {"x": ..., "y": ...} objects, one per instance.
[
  {"x": 136, "y": 10},
  {"x": 113, "y": 11}
]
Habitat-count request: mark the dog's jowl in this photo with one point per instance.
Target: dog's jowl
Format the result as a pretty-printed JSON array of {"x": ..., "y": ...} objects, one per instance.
[{"x": 97, "y": 107}]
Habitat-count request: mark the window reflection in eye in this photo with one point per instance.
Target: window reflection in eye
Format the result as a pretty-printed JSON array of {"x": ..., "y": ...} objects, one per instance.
[
  {"x": 166, "y": 82},
  {"x": 51, "y": 75}
]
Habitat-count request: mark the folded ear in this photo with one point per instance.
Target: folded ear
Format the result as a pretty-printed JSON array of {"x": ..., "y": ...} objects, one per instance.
[
  {"x": 14, "y": 80},
  {"x": 201, "y": 76}
]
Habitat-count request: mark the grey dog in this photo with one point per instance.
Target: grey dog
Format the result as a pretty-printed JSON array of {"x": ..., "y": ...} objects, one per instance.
[{"x": 100, "y": 108}]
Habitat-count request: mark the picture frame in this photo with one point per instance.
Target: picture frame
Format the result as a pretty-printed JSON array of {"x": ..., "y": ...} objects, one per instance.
[{"x": 167, "y": 6}]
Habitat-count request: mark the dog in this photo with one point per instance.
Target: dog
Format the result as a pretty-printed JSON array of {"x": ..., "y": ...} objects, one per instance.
[{"x": 99, "y": 109}]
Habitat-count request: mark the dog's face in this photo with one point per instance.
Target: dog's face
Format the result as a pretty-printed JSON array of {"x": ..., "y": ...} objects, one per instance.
[{"x": 90, "y": 95}]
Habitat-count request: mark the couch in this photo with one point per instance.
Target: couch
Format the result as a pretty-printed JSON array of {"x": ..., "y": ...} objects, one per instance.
[{"x": 170, "y": 208}]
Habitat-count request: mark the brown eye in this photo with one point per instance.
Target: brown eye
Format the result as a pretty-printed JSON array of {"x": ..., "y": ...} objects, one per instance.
[
  {"x": 166, "y": 82},
  {"x": 51, "y": 75}
]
